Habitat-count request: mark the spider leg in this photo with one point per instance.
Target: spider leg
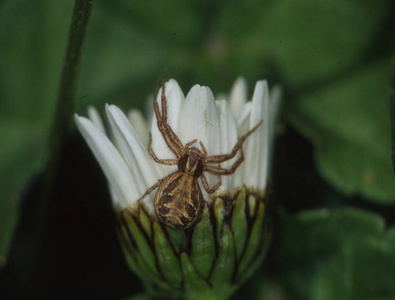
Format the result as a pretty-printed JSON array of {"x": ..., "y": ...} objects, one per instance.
[
  {"x": 225, "y": 157},
  {"x": 164, "y": 115},
  {"x": 168, "y": 162},
  {"x": 150, "y": 190},
  {"x": 215, "y": 187},
  {"x": 203, "y": 149},
  {"x": 190, "y": 143},
  {"x": 171, "y": 139},
  {"x": 169, "y": 136},
  {"x": 222, "y": 171}
]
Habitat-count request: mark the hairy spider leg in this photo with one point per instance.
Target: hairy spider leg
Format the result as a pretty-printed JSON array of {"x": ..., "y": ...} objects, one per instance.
[
  {"x": 223, "y": 171},
  {"x": 171, "y": 139},
  {"x": 224, "y": 157},
  {"x": 215, "y": 187},
  {"x": 168, "y": 162}
]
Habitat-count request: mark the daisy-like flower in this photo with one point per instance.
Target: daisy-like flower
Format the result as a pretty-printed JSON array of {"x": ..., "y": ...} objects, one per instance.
[{"x": 212, "y": 257}]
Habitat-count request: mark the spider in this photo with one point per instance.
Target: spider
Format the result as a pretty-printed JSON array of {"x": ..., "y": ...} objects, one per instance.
[{"x": 178, "y": 202}]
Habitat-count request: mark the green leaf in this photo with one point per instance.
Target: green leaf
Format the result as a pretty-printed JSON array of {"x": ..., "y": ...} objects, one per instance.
[
  {"x": 362, "y": 270},
  {"x": 308, "y": 40},
  {"x": 348, "y": 123},
  {"x": 142, "y": 40},
  {"x": 342, "y": 254},
  {"x": 33, "y": 46}
]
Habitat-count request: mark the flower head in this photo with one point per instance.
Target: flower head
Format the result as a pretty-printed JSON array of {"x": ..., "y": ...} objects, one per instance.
[
  {"x": 122, "y": 151},
  {"x": 233, "y": 217}
]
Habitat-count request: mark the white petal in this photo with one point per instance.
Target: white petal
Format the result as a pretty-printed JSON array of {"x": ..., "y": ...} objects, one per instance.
[
  {"x": 228, "y": 138},
  {"x": 242, "y": 122},
  {"x": 132, "y": 150},
  {"x": 238, "y": 94},
  {"x": 255, "y": 171},
  {"x": 199, "y": 120},
  {"x": 174, "y": 101},
  {"x": 264, "y": 142},
  {"x": 112, "y": 163},
  {"x": 116, "y": 198},
  {"x": 94, "y": 116},
  {"x": 138, "y": 122},
  {"x": 243, "y": 118}
]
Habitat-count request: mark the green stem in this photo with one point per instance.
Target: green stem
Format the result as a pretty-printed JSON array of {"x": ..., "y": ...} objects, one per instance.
[
  {"x": 68, "y": 88},
  {"x": 392, "y": 99},
  {"x": 59, "y": 129}
]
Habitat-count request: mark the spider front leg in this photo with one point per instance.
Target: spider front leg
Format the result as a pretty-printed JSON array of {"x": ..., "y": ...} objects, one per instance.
[
  {"x": 168, "y": 162},
  {"x": 215, "y": 187},
  {"x": 225, "y": 157},
  {"x": 171, "y": 139},
  {"x": 150, "y": 190},
  {"x": 187, "y": 145},
  {"x": 222, "y": 171}
]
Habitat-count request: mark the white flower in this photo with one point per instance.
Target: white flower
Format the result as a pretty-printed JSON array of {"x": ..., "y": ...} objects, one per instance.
[{"x": 130, "y": 170}]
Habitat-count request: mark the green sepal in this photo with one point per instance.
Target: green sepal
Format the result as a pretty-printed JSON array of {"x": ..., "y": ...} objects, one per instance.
[
  {"x": 177, "y": 238},
  {"x": 219, "y": 213},
  {"x": 133, "y": 255},
  {"x": 239, "y": 223},
  {"x": 201, "y": 262},
  {"x": 143, "y": 246},
  {"x": 203, "y": 244},
  {"x": 167, "y": 259},
  {"x": 253, "y": 244},
  {"x": 145, "y": 221},
  {"x": 226, "y": 261},
  {"x": 193, "y": 283},
  {"x": 127, "y": 248}
]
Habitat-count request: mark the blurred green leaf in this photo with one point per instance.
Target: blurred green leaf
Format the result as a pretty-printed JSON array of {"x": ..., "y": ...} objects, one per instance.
[
  {"x": 349, "y": 124},
  {"x": 307, "y": 40},
  {"x": 342, "y": 254},
  {"x": 32, "y": 50},
  {"x": 363, "y": 270},
  {"x": 142, "y": 39}
]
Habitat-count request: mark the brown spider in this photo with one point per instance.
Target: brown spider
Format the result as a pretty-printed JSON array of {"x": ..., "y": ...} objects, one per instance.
[{"x": 179, "y": 202}]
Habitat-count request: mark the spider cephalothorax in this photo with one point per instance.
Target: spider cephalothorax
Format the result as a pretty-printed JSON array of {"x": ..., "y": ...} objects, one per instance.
[
  {"x": 192, "y": 162},
  {"x": 178, "y": 202}
]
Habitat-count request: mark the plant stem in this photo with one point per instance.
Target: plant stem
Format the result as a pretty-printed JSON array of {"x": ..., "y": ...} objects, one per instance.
[
  {"x": 42, "y": 250},
  {"x": 392, "y": 99},
  {"x": 67, "y": 91}
]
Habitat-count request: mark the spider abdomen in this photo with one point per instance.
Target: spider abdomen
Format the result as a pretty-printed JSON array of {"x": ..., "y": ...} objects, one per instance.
[{"x": 179, "y": 201}]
